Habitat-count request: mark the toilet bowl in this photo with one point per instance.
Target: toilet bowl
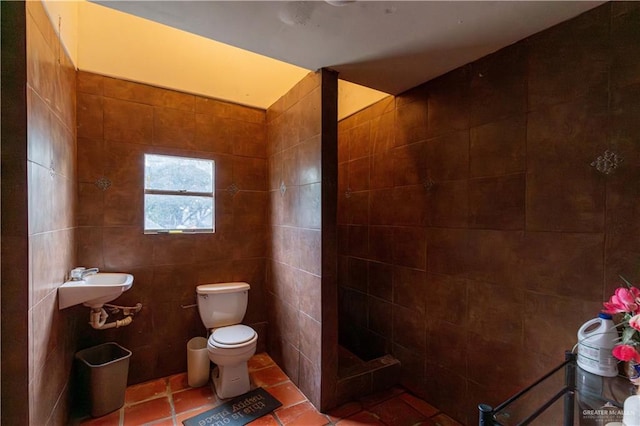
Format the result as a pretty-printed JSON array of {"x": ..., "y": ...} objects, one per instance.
[
  {"x": 230, "y": 348},
  {"x": 230, "y": 344}
]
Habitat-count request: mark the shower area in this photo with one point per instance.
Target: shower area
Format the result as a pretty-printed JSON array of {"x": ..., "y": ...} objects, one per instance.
[
  {"x": 366, "y": 266},
  {"x": 307, "y": 197}
]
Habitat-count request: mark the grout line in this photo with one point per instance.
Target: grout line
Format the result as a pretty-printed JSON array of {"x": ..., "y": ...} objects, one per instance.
[
  {"x": 171, "y": 404},
  {"x": 132, "y": 404},
  {"x": 262, "y": 368}
]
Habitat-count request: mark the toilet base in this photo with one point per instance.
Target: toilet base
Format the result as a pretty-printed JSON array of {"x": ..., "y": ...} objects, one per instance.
[{"x": 231, "y": 380}]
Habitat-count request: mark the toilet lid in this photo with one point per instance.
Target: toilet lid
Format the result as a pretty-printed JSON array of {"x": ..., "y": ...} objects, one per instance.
[{"x": 233, "y": 335}]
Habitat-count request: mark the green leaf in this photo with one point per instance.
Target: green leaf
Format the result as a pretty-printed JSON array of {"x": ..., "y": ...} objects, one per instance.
[
  {"x": 627, "y": 335},
  {"x": 626, "y": 282}
]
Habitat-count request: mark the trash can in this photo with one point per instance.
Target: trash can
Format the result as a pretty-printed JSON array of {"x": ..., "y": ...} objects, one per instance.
[
  {"x": 198, "y": 364},
  {"x": 103, "y": 371}
]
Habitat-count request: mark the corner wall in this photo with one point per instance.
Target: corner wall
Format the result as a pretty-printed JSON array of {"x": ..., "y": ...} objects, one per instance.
[
  {"x": 51, "y": 155},
  {"x": 300, "y": 154},
  {"x": 15, "y": 233},
  {"x": 38, "y": 198}
]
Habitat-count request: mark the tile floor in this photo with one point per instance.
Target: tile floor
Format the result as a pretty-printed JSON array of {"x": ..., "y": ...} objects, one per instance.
[{"x": 170, "y": 400}]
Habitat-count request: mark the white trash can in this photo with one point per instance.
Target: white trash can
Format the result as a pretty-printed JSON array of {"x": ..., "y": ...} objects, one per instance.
[{"x": 198, "y": 364}]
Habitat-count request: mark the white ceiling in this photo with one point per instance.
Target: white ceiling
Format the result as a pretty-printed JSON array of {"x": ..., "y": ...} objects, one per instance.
[{"x": 386, "y": 45}]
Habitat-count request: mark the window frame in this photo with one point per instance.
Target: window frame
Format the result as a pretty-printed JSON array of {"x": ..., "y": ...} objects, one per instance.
[{"x": 179, "y": 192}]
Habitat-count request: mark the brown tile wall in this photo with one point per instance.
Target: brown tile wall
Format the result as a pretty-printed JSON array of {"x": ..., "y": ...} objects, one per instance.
[
  {"x": 14, "y": 224},
  {"x": 329, "y": 370},
  {"x": 51, "y": 188},
  {"x": 474, "y": 235},
  {"x": 296, "y": 147},
  {"x": 118, "y": 122}
]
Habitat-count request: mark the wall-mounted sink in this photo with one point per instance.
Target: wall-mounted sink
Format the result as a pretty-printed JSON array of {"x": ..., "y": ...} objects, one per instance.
[{"x": 94, "y": 290}]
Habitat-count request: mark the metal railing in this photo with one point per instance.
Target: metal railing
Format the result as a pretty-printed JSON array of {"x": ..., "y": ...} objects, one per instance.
[{"x": 487, "y": 414}]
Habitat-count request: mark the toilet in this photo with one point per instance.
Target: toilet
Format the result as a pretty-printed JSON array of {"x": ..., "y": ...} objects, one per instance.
[{"x": 230, "y": 344}]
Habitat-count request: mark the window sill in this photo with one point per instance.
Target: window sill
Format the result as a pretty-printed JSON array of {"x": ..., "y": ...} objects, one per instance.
[{"x": 179, "y": 231}]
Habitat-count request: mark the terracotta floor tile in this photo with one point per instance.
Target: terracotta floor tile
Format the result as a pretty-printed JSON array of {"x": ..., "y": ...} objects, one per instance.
[
  {"x": 345, "y": 410},
  {"x": 178, "y": 382},
  {"x": 149, "y": 404},
  {"x": 268, "y": 376},
  {"x": 147, "y": 411},
  {"x": 288, "y": 414},
  {"x": 444, "y": 420},
  {"x": 146, "y": 390},
  {"x": 111, "y": 419},
  {"x": 193, "y": 398},
  {"x": 361, "y": 418},
  {"x": 287, "y": 393},
  {"x": 423, "y": 408},
  {"x": 164, "y": 422},
  {"x": 397, "y": 412},
  {"x": 180, "y": 417},
  {"x": 375, "y": 398},
  {"x": 267, "y": 420},
  {"x": 259, "y": 361},
  {"x": 310, "y": 418}
]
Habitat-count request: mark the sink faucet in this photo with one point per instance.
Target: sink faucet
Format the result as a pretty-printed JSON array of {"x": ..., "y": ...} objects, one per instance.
[{"x": 78, "y": 274}]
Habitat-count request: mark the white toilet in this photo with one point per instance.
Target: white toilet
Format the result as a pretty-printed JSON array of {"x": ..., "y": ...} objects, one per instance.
[{"x": 231, "y": 344}]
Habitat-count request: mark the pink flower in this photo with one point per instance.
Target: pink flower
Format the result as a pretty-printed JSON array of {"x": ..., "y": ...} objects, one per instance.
[
  {"x": 626, "y": 353},
  {"x": 628, "y": 296},
  {"x": 624, "y": 300},
  {"x": 635, "y": 322}
]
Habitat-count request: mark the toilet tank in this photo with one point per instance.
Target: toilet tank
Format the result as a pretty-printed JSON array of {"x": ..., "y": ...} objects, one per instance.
[{"x": 222, "y": 304}]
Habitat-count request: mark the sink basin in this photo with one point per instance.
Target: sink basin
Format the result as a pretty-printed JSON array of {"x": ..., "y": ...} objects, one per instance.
[{"x": 94, "y": 290}]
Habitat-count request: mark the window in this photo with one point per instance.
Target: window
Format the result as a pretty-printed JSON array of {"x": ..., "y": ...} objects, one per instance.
[{"x": 178, "y": 194}]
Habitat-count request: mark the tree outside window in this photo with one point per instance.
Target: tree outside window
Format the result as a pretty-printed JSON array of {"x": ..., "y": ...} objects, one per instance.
[{"x": 178, "y": 194}]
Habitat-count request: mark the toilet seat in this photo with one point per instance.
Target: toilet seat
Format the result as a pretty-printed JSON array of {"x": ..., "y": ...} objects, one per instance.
[{"x": 233, "y": 336}]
